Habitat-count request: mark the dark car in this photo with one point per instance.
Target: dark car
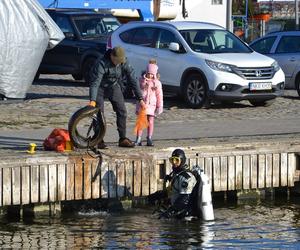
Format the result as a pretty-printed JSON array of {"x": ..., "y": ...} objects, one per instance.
[{"x": 86, "y": 33}]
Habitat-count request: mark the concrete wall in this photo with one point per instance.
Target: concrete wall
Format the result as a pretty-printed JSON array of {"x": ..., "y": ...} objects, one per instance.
[
  {"x": 198, "y": 10},
  {"x": 204, "y": 10}
]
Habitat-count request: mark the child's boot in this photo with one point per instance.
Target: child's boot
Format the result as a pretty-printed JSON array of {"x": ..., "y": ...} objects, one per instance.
[
  {"x": 149, "y": 142},
  {"x": 138, "y": 141}
]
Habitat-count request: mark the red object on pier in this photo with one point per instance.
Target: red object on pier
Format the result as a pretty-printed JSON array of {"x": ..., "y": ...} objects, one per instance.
[{"x": 57, "y": 140}]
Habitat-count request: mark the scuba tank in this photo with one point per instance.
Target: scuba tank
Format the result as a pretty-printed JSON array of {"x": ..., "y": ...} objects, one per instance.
[{"x": 203, "y": 201}]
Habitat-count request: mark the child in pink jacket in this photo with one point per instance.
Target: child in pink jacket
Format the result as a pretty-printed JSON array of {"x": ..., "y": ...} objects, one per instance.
[{"x": 153, "y": 98}]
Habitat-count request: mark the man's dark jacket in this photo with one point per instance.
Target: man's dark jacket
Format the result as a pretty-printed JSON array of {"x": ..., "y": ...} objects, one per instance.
[{"x": 105, "y": 74}]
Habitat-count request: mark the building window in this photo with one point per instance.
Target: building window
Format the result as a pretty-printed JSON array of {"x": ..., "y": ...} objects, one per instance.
[{"x": 214, "y": 2}]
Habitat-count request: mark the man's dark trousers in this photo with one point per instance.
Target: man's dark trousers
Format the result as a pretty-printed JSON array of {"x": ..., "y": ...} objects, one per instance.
[{"x": 116, "y": 98}]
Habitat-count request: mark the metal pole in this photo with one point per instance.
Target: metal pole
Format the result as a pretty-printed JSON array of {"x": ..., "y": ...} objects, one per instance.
[
  {"x": 229, "y": 15},
  {"x": 246, "y": 27},
  {"x": 297, "y": 14}
]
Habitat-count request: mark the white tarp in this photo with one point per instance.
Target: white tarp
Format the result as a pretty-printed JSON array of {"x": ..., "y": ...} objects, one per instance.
[{"x": 26, "y": 31}]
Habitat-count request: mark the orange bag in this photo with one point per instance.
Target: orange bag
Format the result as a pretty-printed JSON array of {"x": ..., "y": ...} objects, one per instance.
[
  {"x": 141, "y": 121},
  {"x": 57, "y": 140}
]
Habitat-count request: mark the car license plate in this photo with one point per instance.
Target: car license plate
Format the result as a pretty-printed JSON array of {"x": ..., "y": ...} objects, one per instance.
[{"x": 260, "y": 85}]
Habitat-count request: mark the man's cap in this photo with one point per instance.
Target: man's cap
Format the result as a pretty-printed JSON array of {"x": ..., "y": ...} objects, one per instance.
[{"x": 119, "y": 54}]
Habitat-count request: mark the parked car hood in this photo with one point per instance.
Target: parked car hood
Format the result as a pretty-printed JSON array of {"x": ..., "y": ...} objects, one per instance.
[{"x": 253, "y": 59}]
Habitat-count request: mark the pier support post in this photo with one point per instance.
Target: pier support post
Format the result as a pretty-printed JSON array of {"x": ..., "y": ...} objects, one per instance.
[{"x": 32, "y": 210}]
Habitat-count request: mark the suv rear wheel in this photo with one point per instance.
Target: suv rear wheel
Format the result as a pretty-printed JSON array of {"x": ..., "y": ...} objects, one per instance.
[
  {"x": 87, "y": 66},
  {"x": 195, "y": 91}
]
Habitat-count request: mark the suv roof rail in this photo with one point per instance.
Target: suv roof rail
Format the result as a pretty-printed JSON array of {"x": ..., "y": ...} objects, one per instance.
[
  {"x": 171, "y": 23},
  {"x": 104, "y": 11}
]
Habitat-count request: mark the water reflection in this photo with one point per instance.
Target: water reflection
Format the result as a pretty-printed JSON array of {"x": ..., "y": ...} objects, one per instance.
[{"x": 266, "y": 225}]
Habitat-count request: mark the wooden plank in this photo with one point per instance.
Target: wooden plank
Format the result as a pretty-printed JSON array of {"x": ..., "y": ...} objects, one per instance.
[
  {"x": 153, "y": 177},
  {"x": 246, "y": 171},
  {"x": 112, "y": 180},
  {"x": 208, "y": 170},
  {"x": 44, "y": 183},
  {"x": 129, "y": 178},
  {"x": 121, "y": 179},
  {"x": 291, "y": 169},
  {"x": 137, "y": 178},
  {"x": 87, "y": 179},
  {"x": 78, "y": 180},
  {"x": 261, "y": 171},
  {"x": 283, "y": 170},
  {"x": 7, "y": 199},
  {"x": 253, "y": 171},
  {"x": 239, "y": 172},
  {"x": 34, "y": 184},
  {"x": 1, "y": 186},
  {"x": 201, "y": 163},
  {"x": 52, "y": 182},
  {"x": 276, "y": 164},
  {"x": 224, "y": 173},
  {"x": 61, "y": 182},
  {"x": 16, "y": 186},
  {"x": 166, "y": 165},
  {"x": 231, "y": 173},
  {"x": 70, "y": 181},
  {"x": 192, "y": 162},
  {"x": 104, "y": 180},
  {"x": 269, "y": 166},
  {"x": 96, "y": 174},
  {"x": 216, "y": 174},
  {"x": 162, "y": 169},
  {"x": 25, "y": 193},
  {"x": 145, "y": 178}
]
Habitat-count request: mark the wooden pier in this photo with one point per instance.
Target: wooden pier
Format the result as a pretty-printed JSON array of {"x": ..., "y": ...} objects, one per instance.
[{"x": 53, "y": 177}]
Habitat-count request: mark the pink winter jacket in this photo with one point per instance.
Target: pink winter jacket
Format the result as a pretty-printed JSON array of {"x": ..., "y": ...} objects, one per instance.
[{"x": 152, "y": 96}]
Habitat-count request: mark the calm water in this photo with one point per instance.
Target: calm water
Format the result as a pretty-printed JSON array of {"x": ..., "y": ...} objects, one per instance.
[{"x": 266, "y": 225}]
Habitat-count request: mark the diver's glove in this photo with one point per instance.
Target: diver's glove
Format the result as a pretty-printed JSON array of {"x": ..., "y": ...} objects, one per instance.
[
  {"x": 157, "y": 196},
  {"x": 168, "y": 177},
  {"x": 173, "y": 212},
  {"x": 167, "y": 214}
]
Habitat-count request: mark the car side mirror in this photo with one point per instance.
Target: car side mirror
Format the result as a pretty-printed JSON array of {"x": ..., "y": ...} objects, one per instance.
[
  {"x": 174, "y": 47},
  {"x": 69, "y": 35}
]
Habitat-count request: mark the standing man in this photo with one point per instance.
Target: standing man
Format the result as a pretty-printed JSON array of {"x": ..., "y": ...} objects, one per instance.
[{"x": 106, "y": 77}]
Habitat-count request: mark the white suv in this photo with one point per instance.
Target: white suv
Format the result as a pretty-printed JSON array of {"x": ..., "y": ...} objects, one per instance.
[{"x": 201, "y": 62}]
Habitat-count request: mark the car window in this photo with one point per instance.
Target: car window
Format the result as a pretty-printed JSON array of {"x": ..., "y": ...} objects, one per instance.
[
  {"x": 93, "y": 27},
  {"x": 264, "y": 45},
  {"x": 214, "y": 41},
  {"x": 110, "y": 24},
  {"x": 289, "y": 44},
  {"x": 64, "y": 24},
  {"x": 165, "y": 38},
  {"x": 127, "y": 35},
  {"x": 144, "y": 37}
]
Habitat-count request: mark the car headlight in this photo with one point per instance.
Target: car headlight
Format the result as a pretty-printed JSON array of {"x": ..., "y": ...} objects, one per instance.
[
  {"x": 220, "y": 66},
  {"x": 276, "y": 66}
]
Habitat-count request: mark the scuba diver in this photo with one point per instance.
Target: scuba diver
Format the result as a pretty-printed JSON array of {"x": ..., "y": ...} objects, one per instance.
[
  {"x": 190, "y": 193},
  {"x": 182, "y": 182}
]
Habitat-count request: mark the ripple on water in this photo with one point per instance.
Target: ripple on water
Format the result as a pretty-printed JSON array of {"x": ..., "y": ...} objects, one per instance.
[{"x": 262, "y": 225}]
